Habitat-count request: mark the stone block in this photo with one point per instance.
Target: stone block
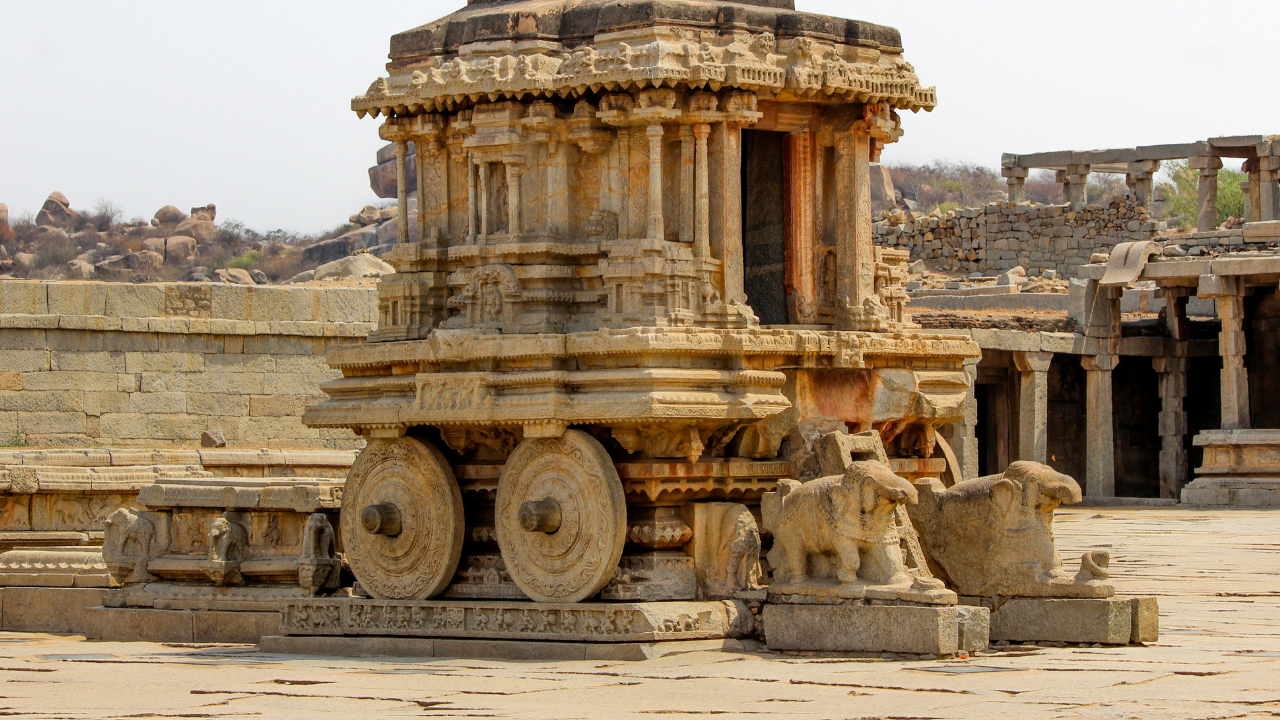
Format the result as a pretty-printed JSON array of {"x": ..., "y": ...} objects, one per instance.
[
  {"x": 150, "y": 403},
  {"x": 915, "y": 629},
  {"x": 57, "y": 401},
  {"x": 974, "y": 623},
  {"x": 1072, "y": 620},
  {"x": 78, "y": 298},
  {"x": 51, "y": 423},
  {"x": 48, "y": 610},
  {"x": 134, "y": 301},
  {"x": 1145, "y": 620},
  {"x": 123, "y": 426},
  {"x": 96, "y": 361},
  {"x": 73, "y": 380},
  {"x": 290, "y": 384},
  {"x": 99, "y": 403},
  {"x": 217, "y": 404},
  {"x": 229, "y": 302},
  {"x": 23, "y": 298},
  {"x": 139, "y": 625},
  {"x": 489, "y": 649},
  {"x": 10, "y": 380},
  {"x": 233, "y": 627},
  {"x": 280, "y": 405},
  {"x": 138, "y": 362}
]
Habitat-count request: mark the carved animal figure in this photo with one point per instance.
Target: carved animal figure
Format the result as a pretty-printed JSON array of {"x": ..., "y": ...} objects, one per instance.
[
  {"x": 739, "y": 553},
  {"x": 994, "y": 535},
  {"x": 228, "y": 541},
  {"x": 128, "y": 544},
  {"x": 846, "y": 517},
  {"x": 318, "y": 568}
]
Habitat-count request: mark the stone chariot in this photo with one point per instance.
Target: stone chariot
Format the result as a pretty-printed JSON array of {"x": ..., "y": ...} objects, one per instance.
[{"x": 634, "y": 283}]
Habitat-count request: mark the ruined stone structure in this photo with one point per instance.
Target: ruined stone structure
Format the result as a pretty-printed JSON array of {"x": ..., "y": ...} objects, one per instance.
[{"x": 154, "y": 365}]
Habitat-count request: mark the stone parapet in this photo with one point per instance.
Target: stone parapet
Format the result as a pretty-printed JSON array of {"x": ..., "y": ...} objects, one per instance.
[
  {"x": 1240, "y": 469},
  {"x": 91, "y": 363}
]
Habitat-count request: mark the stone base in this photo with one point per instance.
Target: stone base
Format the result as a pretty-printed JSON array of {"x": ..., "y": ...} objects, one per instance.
[
  {"x": 48, "y": 609},
  {"x": 182, "y": 626},
  {"x": 410, "y": 647},
  {"x": 915, "y": 629},
  {"x": 176, "y": 596},
  {"x": 1108, "y": 621},
  {"x": 1232, "y": 492},
  {"x": 507, "y": 620}
]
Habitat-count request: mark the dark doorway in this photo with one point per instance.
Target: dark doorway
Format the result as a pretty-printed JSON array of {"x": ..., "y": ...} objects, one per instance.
[
  {"x": 763, "y": 223},
  {"x": 1068, "y": 434},
  {"x": 1135, "y": 412}
]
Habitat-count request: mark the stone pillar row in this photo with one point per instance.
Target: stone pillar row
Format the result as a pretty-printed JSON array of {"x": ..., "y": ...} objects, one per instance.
[{"x": 1074, "y": 179}]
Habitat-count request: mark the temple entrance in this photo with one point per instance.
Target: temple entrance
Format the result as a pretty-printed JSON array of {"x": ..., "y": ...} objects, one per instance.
[{"x": 764, "y": 223}]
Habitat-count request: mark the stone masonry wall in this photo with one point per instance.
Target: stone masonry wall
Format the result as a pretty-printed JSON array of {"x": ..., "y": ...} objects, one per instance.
[
  {"x": 1002, "y": 235},
  {"x": 91, "y": 363}
]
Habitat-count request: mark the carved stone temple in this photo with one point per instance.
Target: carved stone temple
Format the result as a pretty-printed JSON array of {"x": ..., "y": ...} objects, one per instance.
[{"x": 640, "y": 287}]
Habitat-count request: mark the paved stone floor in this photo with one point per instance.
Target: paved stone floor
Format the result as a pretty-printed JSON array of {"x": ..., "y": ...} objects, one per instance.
[{"x": 1217, "y": 575}]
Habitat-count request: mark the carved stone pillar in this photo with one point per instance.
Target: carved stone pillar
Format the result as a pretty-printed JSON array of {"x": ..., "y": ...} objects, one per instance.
[
  {"x": 1074, "y": 179},
  {"x": 855, "y": 252},
  {"x": 1016, "y": 178},
  {"x": 1100, "y": 463},
  {"x": 515, "y": 169},
  {"x": 421, "y": 147},
  {"x": 1141, "y": 180},
  {"x": 402, "y": 189},
  {"x": 1173, "y": 423},
  {"x": 799, "y": 233},
  {"x": 624, "y": 182},
  {"x": 702, "y": 193},
  {"x": 1268, "y": 191},
  {"x": 656, "y": 229},
  {"x": 1228, "y": 292},
  {"x": 1033, "y": 405},
  {"x": 472, "y": 206},
  {"x": 964, "y": 439},
  {"x": 484, "y": 198},
  {"x": 686, "y": 183},
  {"x": 1208, "y": 167},
  {"x": 731, "y": 242}
]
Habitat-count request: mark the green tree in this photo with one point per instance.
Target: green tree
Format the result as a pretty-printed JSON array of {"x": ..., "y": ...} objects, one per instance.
[{"x": 1181, "y": 195}]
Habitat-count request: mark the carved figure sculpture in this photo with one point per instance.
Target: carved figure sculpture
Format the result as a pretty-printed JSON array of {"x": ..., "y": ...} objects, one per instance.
[
  {"x": 849, "y": 518},
  {"x": 227, "y": 543},
  {"x": 994, "y": 535},
  {"x": 739, "y": 554},
  {"x": 318, "y": 567},
  {"x": 129, "y": 543}
]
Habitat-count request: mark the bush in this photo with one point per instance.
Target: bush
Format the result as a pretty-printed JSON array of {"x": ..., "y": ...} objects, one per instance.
[
  {"x": 1179, "y": 198},
  {"x": 247, "y": 260},
  {"x": 956, "y": 184}
]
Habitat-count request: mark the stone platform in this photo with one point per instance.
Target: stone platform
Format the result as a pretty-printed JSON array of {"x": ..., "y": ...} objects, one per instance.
[
  {"x": 1241, "y": 469},
  {"x": 1108, "y": 621},
  {"x": 914, "y": 629},
  {"x": 412, "y": 647},
  {"x": 626, "y": 622}
]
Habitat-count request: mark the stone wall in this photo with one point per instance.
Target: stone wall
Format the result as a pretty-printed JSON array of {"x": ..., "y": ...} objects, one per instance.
[
  {"x": 1002, "y": 235},
  {"x": 90, "y": 363}
]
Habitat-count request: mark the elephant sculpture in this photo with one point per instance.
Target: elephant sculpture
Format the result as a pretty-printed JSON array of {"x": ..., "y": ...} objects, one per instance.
[
  {"x": 129, "y": 542},
  {"x": 840, "y": 529},
  {"x": 993, "y": 536},
  {"x": 318, "y": 565}
]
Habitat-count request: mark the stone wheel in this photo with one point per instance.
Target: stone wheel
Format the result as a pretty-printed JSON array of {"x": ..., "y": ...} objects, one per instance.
[
  {"x": 561, "y": 517},
  {"x": 402, "y": 523}
]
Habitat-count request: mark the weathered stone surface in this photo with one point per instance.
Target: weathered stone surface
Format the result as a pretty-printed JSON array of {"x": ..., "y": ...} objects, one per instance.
[
  {"x": 1238, "y": 469},
  {"x": 914, "y": 629},
  {"x": 235, "y": 276},
  {"x": 368, "y": 647},
  {"x": 367, "y": 216},
  {"x": 993, "y": 536},
  {"x": 1075, "y": 620},
  {"x": 48, "y": 610},
  {"x": 179, "y": 248},
  {"x": 329, "y": 250},
  {"x": 202, "y": 230},
  {"x": 358, "y": 265},
  {"x": 78, "y": 270},
  {"x": 168, "y": 215},
  {"x": 57, "y": 212},
  {"x": 573, "y": 622}
]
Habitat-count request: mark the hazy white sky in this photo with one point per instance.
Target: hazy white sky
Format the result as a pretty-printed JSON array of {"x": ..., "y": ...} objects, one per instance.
[{"x": 245, "y": 104}]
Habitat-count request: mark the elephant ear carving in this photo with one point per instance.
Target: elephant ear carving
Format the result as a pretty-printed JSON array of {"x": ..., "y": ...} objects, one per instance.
[{"x": 1004, "y": 493}]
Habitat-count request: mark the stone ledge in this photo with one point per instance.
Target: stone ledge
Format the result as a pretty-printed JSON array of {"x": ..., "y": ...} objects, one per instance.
[
  {"x": 1107, "y": 621},
  {"x": 183, "y": 326},
  {"x": 138, "y": 625},
  {"x": 365, "y": 647},
  {"x": 915, "y": 629},
  {"x": 48, "y": 609}
]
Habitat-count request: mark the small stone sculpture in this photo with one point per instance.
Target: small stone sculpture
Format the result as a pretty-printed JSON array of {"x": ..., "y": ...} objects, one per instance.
[
  {"x": 838, "y": 532},
  {"x": 993, "y": 536},
  {"x": 128, "y": 544},
  {"x": 228, "y": 541},
  {"x": 318, "y": 567}
]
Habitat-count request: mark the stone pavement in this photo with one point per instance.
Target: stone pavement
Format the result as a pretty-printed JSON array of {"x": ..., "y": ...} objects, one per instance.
[{"x": 1218, "y": 657}]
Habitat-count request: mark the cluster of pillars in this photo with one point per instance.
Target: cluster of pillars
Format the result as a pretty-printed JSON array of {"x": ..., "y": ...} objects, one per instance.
[{"x": 479, "y": 178}]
